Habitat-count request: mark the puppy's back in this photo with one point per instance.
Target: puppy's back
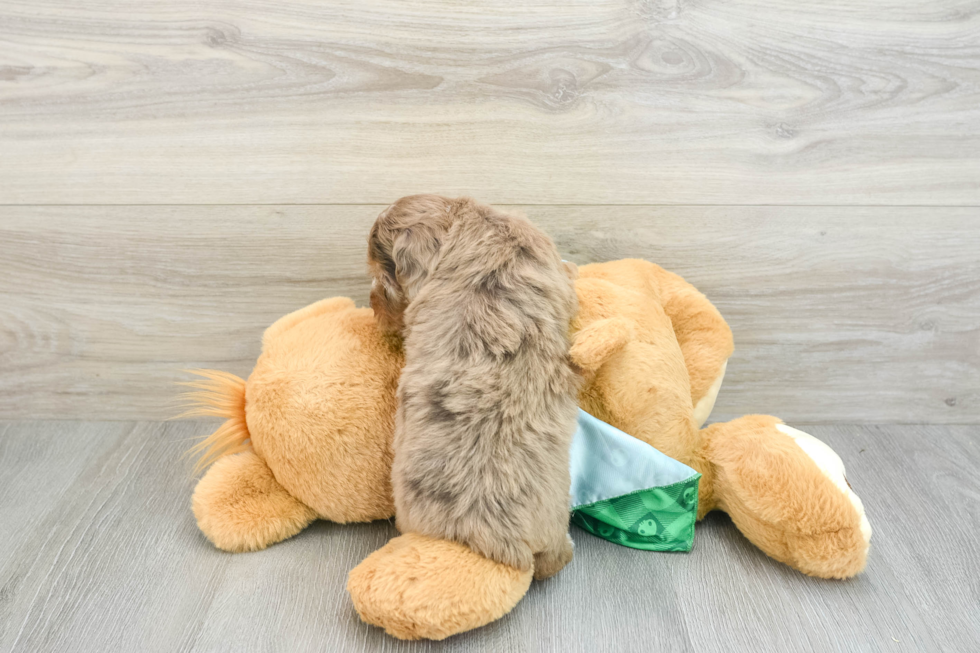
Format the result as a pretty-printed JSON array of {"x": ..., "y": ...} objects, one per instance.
[
  {"x": 499, "y": 286},
  {"x": 488, "y": 398}
]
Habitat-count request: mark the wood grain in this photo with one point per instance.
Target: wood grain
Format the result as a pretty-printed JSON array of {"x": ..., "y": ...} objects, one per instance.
[
  {"x": 579, "y": 101},
  {"x": 100, "y": 553},
  {"x": 855, "y": 315}
]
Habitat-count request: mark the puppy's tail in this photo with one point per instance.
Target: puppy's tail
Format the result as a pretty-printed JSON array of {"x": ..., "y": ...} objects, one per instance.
[{"x": 217, "y": 394}]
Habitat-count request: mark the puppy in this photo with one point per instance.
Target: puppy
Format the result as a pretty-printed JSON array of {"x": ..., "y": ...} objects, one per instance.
[{"x": 487, "y": 398}]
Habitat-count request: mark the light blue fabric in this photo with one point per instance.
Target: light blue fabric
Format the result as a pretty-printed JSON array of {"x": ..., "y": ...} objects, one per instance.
[
  {"x": 625, "y": 491},
  {"x": 607, "y": 463}
]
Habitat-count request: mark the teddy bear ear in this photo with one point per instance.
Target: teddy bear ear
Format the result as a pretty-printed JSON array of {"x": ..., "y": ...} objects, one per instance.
[
  {"x": 596, "y": 342},
  {"x": 286, "y": 322}
]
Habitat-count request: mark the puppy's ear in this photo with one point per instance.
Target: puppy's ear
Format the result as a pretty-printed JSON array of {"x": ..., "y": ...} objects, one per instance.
[
  {"x": 389, "y": 308},
  {"x": 387, "y": 299},
  {"x": 415, "y": 253}
]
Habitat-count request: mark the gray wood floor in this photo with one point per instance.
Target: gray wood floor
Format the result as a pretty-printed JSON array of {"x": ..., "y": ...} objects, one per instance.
[{"x": 99, "y": 552}]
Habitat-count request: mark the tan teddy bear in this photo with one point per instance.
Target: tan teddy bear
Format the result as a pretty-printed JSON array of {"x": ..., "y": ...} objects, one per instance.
[{"x": 308, "y": 436}]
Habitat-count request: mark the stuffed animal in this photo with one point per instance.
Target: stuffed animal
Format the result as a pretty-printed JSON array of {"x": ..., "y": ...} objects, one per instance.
[{"x": 309, "y": 434}]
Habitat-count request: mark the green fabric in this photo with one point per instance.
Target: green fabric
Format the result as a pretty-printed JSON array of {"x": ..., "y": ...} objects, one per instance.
[
  {"x": 655, "y": 519},
  {"x": 625, "y": 491}
]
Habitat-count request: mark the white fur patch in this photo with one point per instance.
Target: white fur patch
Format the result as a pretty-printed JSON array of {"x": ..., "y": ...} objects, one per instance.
[
  {"x": 703, "y": 409},
  {"x": 832, "y": 467}
]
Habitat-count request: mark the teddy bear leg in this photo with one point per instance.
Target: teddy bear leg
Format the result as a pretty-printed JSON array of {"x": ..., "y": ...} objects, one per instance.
[
  {"x": 419, "y": 587},
  {"x": 786, "y": 492},
  {"x": 704, "y": 405},
  {"x": 240, "y": 506},
  {"x": 549, "y": 562},
  {"x": 703, "y": 336}
]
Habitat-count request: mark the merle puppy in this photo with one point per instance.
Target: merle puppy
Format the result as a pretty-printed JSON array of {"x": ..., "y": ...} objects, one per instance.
[{"x": 487, "y": 398}]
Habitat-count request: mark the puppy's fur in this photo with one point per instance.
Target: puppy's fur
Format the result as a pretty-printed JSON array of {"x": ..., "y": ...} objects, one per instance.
[{"x": 487, "y": 398}]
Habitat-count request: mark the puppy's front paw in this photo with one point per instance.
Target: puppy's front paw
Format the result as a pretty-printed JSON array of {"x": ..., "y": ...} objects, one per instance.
[{"x": 549, "y": 563}]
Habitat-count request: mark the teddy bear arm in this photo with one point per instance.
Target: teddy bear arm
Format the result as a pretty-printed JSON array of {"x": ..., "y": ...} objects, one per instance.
[
  {"x": 703, "y": 335},
  {"x": 596, "y": 342},
  {"x": 239, "y": 505}
]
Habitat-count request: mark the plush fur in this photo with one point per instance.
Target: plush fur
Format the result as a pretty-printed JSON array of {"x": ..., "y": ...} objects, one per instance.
[
  {"x": 319, "y": 409},
  {"x": 814, "y": 526},
  {"x": 240, "y": 507},
  {"x": 487, "y": 398},
  {"x": 317, "y": 412},
  {"x": 217, "y": 394},
  {"x": 701, "y": 332},
  {"x": 331, "y": 448},
  {"x": 419, "y": 587},
  {"x": 775, "y": 493}
]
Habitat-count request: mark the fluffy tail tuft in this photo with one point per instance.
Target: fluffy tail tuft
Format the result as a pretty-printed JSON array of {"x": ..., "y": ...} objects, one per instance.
[{"x": 218, "y": 394}]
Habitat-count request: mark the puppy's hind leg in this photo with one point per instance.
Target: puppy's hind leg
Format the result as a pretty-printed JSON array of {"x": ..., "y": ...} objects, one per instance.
[{"x": 549, "y": 562}]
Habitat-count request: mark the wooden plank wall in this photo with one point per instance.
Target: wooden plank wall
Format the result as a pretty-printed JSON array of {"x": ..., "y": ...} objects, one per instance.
[
  {"x": 176, "y": 175},
  {"x": 540, "y": 101},
  {"x": 850, "y": 314}
]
